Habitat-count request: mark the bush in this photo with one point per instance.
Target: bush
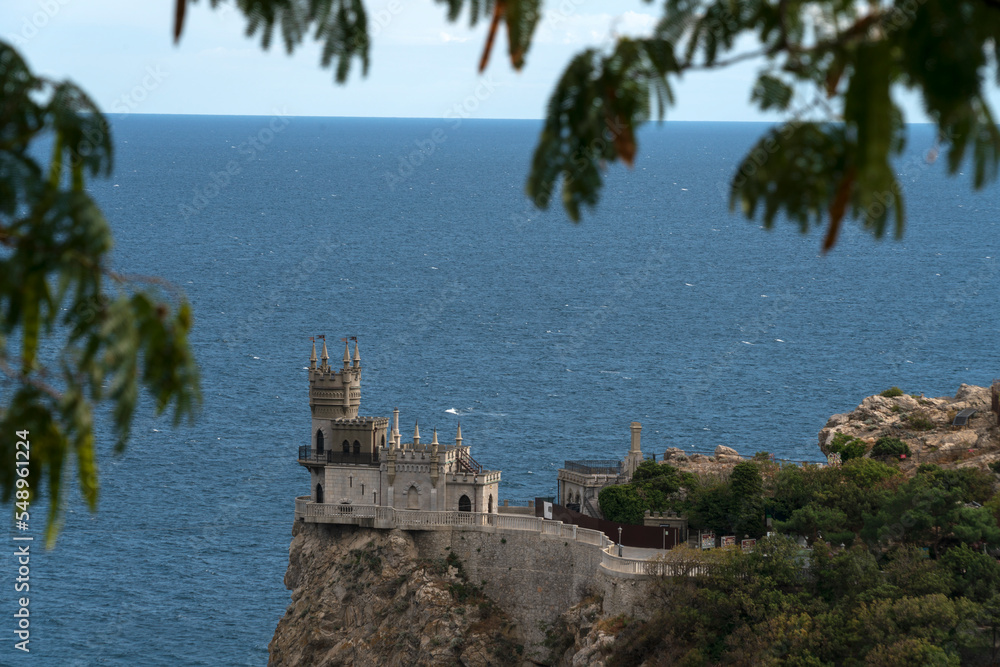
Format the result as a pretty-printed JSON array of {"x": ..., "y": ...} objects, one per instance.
[
  {"x": 920, "y": 422},
  {"x": 892, "y": 392},
  {"x": 847, "y": 447},
  {"x": 888, "y": 446}
]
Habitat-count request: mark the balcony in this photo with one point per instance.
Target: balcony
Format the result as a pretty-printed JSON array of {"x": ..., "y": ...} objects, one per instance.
[{"x": 309, "y": 456}]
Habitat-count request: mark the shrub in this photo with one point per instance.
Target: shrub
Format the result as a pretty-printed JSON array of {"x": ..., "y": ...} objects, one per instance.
[
  {"x": 888, "y": 446},
  {"x": 920, "y": 422},
  {"x": 892, "y": 392},
  {"x": 847, "y": 447}
]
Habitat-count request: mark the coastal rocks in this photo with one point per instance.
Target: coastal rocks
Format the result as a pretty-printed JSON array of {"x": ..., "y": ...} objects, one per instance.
[
  {"x": 725, "y": 454},
  {"x": 925, "y": 424},
  {"x": 719, "y": 464},
  {"x": 675, "y": 455}
]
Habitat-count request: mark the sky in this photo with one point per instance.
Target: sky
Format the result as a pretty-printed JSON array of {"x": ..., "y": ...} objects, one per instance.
[{"x": 121, "y": 52}]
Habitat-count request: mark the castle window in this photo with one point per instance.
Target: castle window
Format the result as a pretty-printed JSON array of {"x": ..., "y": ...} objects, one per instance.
[
  {"x": 412, "y": 499},
  {"x": 319, "y": 441},
  {"x": 362, "y": 490},
  {"x": 347, "y": 447},
  {"x": 489, "y": 506},
  {"x": 357, "y": 447},
  {"x": 383, "y": 441},
  {"x": 464, "y": 504},
  {"x": 374, "y": 502},
  {"x": 319, "y": 493}
]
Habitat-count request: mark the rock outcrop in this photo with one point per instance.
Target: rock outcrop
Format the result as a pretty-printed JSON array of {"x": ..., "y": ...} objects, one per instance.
[
  {"x": 925, "y": 424},
  {"x": 365, "y": 598}
]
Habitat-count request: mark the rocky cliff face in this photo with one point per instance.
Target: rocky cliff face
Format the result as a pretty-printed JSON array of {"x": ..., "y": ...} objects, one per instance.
[
  {"x": 925, "y": 425},
  {"x": 364, "y": 597}
]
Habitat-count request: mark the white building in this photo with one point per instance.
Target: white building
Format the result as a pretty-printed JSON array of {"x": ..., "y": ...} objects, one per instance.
[{"x": 356, "y": 460}]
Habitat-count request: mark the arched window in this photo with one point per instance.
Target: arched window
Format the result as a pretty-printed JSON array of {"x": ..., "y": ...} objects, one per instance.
[
  {"x": 464, "y": 504},
  {"x": 347, "y": 447},
  {"x": 362, "y": 493},
  {"x": 489, "y": 506},
  {"x": 319, "y": 441},
  {"x": 357, "y": 447},
  {"x": 412, "y": 498},
  {"x": 319, "y": 493},
  {"x": 383, "y": 441}
]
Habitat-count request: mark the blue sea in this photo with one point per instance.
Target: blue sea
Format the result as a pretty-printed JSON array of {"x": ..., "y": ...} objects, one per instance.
[{"x": 543, "y": 337}]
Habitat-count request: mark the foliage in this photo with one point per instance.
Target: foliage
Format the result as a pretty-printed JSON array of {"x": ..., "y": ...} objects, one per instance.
[
  {"x": 928, "y": 511},
  {"x": 921, "y": 592},
  {"x": 892, "y": 392},
  {"x": 888, "y": 446},
  {"x": 847, "y": 446},
  {"x": 622, "y": 503},
  {"x": 73, "y": 334}
]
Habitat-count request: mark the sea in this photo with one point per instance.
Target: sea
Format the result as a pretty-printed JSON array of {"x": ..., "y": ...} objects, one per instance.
[{"x": 544, "y": 338}]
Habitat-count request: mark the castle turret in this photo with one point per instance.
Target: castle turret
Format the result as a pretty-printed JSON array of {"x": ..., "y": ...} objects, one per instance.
[
  {"x": 333, "y": 394},
  {"x": 458, "y": 436},
  {"x": 312, "y": 358},
  {"x": 347, "y": 354},
  {"x": 357, "y": 356},
  {"x": 634, "y": 457},
  {"x": 416, "y": 434}
]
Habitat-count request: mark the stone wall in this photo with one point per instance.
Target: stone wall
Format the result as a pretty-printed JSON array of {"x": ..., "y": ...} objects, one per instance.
[{"x": 534, "y": 578}]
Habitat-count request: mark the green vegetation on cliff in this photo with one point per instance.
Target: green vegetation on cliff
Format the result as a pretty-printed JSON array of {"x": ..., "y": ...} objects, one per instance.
[{"x": 902, "y": 571}]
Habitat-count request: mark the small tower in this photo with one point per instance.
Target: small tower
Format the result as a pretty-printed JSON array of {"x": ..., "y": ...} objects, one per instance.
[{"x": 634, "y": 457}]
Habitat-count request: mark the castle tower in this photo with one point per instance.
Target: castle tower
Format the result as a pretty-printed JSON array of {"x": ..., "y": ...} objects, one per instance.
[
  {"x": 335, "y": 394},
  {"x": 362, "y": 461},
  {"x": 634, "y": 457}
]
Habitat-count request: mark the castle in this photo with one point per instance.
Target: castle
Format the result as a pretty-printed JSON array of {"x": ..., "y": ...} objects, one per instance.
[{"x": 356, "y": 460}]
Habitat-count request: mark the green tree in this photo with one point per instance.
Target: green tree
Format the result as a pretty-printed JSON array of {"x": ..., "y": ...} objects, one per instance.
[
  {"x": 622, "y": 503},
  {"x": 72, "y": 332},
  {"x": 923, "y": 512}
]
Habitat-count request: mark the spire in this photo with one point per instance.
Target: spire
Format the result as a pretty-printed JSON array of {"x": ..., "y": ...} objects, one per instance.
[
  {"x": 347, "y": 353},
  {"x": 326, "y": 355},
  {"x": 416, "y": 434},
  {"x": 357, "y": 355},
  {"x": 458, "y": 437},
  {"x": 434, "y": 443},
  {"x": 312, "y": 359}
]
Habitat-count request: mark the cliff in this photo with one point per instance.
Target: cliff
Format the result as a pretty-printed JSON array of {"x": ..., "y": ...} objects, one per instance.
[
  {"x": 366, "y": 597},
  {"x": 370, "y": 597}
]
